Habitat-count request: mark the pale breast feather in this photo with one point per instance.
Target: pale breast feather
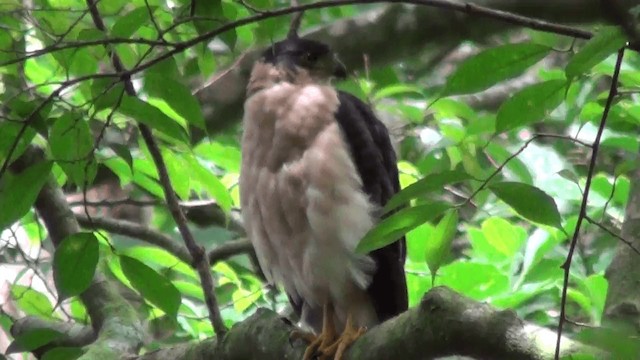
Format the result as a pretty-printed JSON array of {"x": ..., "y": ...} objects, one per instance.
[{"x": 304, "y": 200}]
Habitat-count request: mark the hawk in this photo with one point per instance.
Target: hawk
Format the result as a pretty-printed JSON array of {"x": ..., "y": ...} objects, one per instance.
[{"x": 317, "y": 167}]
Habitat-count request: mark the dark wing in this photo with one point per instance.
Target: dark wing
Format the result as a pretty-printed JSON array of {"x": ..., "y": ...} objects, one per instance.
[{"x": 375, "y": 160}]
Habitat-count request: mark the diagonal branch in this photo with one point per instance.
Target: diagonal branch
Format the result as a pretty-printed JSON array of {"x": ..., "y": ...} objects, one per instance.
[{"x": 200, "y": 260}]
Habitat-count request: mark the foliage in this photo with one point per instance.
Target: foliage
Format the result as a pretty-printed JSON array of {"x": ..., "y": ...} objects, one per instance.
[{"x": 491, "y": 195}]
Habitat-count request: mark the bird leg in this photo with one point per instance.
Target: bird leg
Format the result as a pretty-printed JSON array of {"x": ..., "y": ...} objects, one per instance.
[
  {"x": 349, "y": 335},
  {"x": 320, "y": 346}
]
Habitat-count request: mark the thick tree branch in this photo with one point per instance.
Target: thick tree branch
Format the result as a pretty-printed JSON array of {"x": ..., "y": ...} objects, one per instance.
[
  {"x": 112, "y": 318},
  {"x": 444, "y": 324}
]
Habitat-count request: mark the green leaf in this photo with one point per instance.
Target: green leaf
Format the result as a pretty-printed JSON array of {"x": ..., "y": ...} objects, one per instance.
[
  {"x": 211, "y": 14},
  {"x": 125, "y": 26},
  {"x": 398, "y": 89},
  {"x": 31, "y": 301},
  {"x": 124, "y": 153},
  {"x": 63, "y": 353},
  {"x": 478, "y": 281},
  {"x": 33, "y": 339},
  {"x": 597, "y": 287},
  {"x": 425, "y": 185},
  {"x": 503, "y": 236},
  {"x": 225, "y": 156},
  {"x": 529, "y": 202},
  {"x": 607, "y": 41},
  {"x": 178, "y": 97},
  {"x": 417, "y": 240},
  {"x": 530, "y": 104},
  {"x": 72, "y": 146},
  {"x": 74, "y": 264},
  {"x": 154, "y": 287},
  {"x": 8, "y": 133},
  {"x": 492, "y": 66},
  {"x": 151, "y": 116},
  {"x": 211, "y": 184},
  {"x": 440, "y": 243},
  {"x": 180, "y": 179},
  {"x": 18, "y": 192},
  {"x": 393, "y": 227},
  {"x": 106, "y": 93}
]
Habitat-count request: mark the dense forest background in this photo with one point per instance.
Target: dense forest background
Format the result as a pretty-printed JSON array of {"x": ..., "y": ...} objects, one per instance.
[{"x": 516, "y": 127}]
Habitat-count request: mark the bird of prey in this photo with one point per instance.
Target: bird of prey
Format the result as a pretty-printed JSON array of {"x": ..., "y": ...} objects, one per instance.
[{"x": 317, "y": 167}]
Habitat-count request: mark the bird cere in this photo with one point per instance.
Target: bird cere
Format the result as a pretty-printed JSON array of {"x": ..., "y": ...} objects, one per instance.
[{"x": 317, "y": 164}]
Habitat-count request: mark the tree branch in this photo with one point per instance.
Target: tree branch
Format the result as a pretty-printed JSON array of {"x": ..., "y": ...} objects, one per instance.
[
  {"x": 395, "y": 32},
  {"x": 112, "y": 318},
  {"x": 443, "y": 324},
  {"x": 200, "y": 260},
  {"x": 566, "y": 266}
]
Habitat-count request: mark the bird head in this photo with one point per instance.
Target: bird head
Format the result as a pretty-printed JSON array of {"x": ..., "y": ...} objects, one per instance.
[{"x": 301, "y": 58}]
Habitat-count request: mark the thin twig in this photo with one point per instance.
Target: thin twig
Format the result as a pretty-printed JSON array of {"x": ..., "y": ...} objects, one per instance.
[
  {"x": 605, "y": 229},
  {"x": 585, "y": 198},
  {"x": 181, "y": 46},
  {"x": 200, "y": 260}
]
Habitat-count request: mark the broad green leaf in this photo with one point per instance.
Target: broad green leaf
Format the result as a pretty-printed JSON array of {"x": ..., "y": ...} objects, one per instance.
[
  {"x": 178, "y": 97},
  {"x": 596, "y": 287},
  {"x": 225, "y": 156},
  {"x": 630, "y": 144},
  {"x": 107, "y": 93},
  {"x": 151, "y": 116},
  {"x": 8, "y": 133},
  {"x": 154, "y": 257},
  {"x": 492, "y": 66},
  {"x": 607, "y": 41},
  {"x": 154, "y": 287},
  {"x": 125, "y": 26},
  {"x": 429, "y": 183},
  {"x": 211, "y": 184},
  {"x": 180, "y": 179},
  {"x": 190, "y": 289},
  {"x": 397, "y": 89},
  {"x": 211, "y": 15},
  {"x": 393, "y": 227},
  {"x": 63, "y": 353},
  {"x": 537, "y": 246},
  {"x": 478, "y": 281},
  {"x": 74, "y": 264},
  {"x": 124, "y": 153},
  {"x": 448, "y": 108},
  {"x": 530, "y": 104},
  {"x": 503, "y": 236},
  {"x": 18, "y": 192},
  {"x": 72, "y": 147},
  {"x": 439, "y": 244},
  {"x": 33, "y": 339},
  {"x": 620, "y": 343},
  {"x": 417, "y": 240},
  {"x": 529, "y": 202},
  {"x": 31, "y": 301}
]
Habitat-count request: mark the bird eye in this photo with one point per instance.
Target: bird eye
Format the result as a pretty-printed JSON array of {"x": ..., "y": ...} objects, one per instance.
[{"x": 310, "y": 57}]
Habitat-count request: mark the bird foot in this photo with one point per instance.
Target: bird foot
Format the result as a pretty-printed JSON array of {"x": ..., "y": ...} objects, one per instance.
[
  {"x": 320, "y": 347},
  {"x": 348, "y": 337}
]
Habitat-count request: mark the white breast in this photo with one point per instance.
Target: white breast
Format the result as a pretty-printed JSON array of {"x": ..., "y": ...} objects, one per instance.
[{"x": 301, "y": 197}]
